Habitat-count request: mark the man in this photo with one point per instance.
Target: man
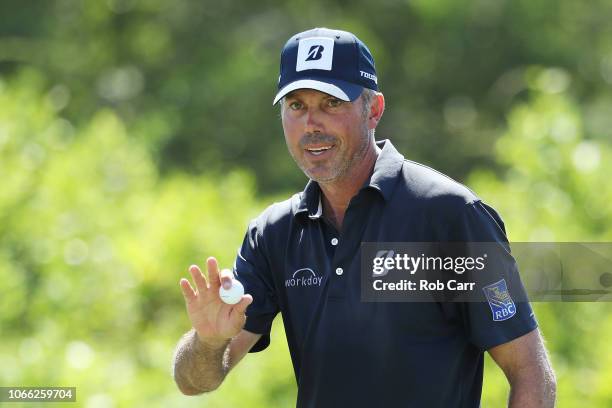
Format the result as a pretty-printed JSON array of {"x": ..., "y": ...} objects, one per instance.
[{"x": 302, "y": 257}]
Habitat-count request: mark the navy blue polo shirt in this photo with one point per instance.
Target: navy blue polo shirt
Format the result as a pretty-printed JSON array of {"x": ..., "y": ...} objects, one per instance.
[{"x": 346, "y": 352}]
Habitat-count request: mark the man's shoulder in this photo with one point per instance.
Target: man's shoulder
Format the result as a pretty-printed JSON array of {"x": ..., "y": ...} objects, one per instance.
[
  {"x": 277, "y": 214},
  {"x": 445, "y": 201},
  {"x": 427, "y": 186}
]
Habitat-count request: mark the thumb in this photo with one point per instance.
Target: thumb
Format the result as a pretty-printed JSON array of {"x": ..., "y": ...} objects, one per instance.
[{"x": 241, "y": 306}]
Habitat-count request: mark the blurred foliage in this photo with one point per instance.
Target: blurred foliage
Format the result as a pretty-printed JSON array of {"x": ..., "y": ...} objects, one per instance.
[
  {"x": 554, "y": 188},
  {"x": 195, "y": 79},
  {"x": 137, "y": 137},
  {"x": 92, "y": 246}
]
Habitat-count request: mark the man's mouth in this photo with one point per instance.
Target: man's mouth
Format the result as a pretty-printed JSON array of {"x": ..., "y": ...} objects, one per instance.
[{"x": 318, "y": 150}]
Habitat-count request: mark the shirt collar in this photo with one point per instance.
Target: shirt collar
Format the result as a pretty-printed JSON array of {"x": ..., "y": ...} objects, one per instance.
[
  {"x": 386, "y": 169},
  {"x": 310, "y": 201}
]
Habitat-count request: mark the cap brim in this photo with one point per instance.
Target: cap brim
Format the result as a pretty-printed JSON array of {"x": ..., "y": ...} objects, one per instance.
[{"x": 343, "y": 90}]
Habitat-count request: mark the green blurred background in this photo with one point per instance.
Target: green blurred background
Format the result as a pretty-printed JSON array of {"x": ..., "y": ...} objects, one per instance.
[{"x": 137, "y": 137}]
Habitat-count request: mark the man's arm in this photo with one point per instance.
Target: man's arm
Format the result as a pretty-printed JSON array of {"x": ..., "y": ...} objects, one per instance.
[
  {"x": 526, "y": 365},
  {"x": 200, "y": 366},
  {"x": 217, "y": 341}
]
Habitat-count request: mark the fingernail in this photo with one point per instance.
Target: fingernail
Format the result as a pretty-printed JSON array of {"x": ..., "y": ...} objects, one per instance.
[{"x": 227, "y": 285}]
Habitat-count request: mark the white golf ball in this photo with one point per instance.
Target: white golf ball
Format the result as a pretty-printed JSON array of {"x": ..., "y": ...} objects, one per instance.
[{"x": 232, "y": 295}]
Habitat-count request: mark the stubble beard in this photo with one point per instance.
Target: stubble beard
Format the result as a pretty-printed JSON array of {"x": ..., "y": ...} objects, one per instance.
[{"x": 344, "y": 166}]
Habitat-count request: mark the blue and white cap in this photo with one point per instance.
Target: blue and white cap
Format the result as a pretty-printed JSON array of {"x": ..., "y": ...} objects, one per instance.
[{"x": 331, "y": 61}]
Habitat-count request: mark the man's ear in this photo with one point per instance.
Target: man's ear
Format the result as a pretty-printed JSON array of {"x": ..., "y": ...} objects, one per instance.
[{"x": 377, "y": 108}]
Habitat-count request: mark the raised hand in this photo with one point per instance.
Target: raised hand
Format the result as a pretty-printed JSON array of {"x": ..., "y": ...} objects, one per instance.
[{"x": 214, "y": 321}]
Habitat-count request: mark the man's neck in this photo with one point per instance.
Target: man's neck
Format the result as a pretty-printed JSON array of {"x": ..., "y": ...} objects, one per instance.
[{"x": 338, "y": 194}]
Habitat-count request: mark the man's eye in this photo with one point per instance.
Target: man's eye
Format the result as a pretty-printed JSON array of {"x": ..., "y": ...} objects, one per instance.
[
  {"x": 334, "y": 103},
  {"x": 295, "y": 105}
]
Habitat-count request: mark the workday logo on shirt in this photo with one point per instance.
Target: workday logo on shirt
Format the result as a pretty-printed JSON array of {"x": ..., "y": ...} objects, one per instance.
[{"x": 303, "y": 277}]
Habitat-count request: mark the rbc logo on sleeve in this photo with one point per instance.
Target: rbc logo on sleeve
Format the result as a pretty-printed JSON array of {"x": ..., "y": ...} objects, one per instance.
[{"x": 500, "y": 301}]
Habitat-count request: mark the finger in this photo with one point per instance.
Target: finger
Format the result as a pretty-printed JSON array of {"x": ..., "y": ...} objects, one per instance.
[
  {"x": 198, "y": 278},
  {"x": 213, "y": 273},
  {"x": 226, "y": 278},
  {"x": 241, "y": 306},
  {"x": 187, "y": 290}
]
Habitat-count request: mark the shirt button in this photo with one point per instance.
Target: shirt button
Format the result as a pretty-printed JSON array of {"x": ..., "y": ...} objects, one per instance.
[
  {"x": 334, "y": 241},
  {"x": 339, "y": 271}
]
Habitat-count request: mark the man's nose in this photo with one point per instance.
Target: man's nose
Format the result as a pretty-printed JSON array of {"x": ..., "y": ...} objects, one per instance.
[{"x": 313, "y": 120}]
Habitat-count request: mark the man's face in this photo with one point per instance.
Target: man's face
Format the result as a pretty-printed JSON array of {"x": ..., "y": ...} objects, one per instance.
[{"x": 325, "y": 135}]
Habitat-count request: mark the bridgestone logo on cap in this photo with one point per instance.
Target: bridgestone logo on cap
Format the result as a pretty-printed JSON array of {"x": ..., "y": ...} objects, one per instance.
[{"x": 315, "y": 53}]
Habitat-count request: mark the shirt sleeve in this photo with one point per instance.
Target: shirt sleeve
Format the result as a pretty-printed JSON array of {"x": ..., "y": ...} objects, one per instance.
[
  {"x": 252, "y": 270},
  {"x": 498, "y": 309}
]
